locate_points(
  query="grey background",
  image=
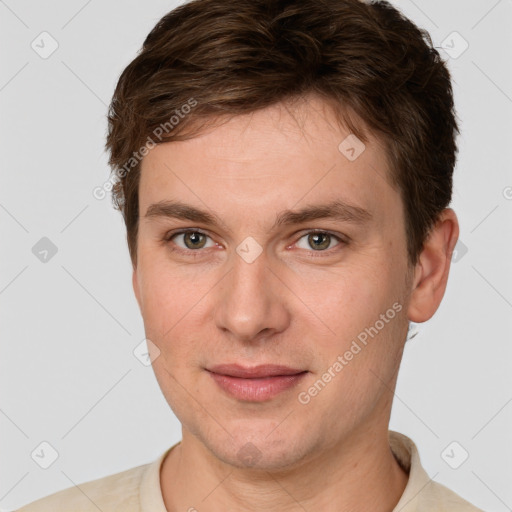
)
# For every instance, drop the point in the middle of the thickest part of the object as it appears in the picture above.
(69, 325)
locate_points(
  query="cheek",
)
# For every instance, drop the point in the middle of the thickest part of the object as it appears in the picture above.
(366, 314)
(175, 313)
(167, 291)
(349, 299)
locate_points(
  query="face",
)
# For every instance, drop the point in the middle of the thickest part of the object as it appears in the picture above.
(285, 249)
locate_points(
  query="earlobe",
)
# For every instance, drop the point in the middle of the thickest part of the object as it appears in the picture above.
(432, 269)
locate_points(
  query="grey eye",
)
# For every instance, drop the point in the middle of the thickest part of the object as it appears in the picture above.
(192, 240)
(317, 241)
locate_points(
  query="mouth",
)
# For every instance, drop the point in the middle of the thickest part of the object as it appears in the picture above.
(257, 384)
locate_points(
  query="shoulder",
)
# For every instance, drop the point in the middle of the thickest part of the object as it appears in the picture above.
(422, 493)
(443, 499)
(117, 492)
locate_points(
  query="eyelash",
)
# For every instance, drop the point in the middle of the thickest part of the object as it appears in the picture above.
(197, 253)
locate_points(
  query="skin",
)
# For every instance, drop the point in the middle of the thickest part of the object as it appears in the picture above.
(295, 305)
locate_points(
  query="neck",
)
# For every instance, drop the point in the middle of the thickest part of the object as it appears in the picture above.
(359, 473)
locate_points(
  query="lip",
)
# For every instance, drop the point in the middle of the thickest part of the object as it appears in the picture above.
(255, 372)
(256, 384)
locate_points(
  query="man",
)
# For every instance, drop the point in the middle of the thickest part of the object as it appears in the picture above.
(284, 169)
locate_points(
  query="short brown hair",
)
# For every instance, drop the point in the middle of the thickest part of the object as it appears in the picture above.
(232, 59)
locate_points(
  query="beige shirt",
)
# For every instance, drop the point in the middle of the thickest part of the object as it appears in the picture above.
(138, 489)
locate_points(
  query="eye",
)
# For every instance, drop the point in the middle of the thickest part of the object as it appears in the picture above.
(318, 241)
(191, 240)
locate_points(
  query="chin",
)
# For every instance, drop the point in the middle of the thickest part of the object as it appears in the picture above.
(259, 446)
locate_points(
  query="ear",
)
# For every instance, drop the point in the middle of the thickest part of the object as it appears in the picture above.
(135, 285)
(431, 271)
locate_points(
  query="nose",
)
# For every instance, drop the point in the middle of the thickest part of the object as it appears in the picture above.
(251, 301)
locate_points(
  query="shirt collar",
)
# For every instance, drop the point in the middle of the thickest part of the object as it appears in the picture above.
(151, 498)
(406, 454)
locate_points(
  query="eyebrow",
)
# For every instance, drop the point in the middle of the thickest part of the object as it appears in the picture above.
(337, 210)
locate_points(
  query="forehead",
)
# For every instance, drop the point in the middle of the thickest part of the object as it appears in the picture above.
(270, 159)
